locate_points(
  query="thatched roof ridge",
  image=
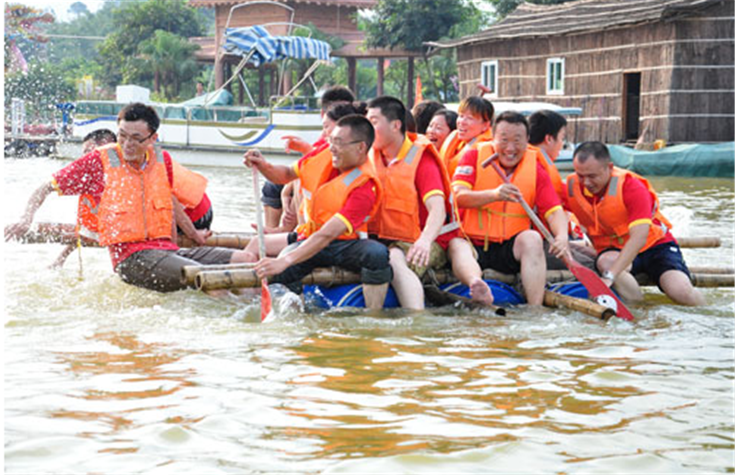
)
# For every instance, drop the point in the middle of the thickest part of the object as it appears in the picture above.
(342, 3)
(583, 16)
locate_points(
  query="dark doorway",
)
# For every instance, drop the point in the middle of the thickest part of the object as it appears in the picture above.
(631, 105)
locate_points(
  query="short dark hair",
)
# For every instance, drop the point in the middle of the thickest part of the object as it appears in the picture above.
(449, 116)
(410, 122)
(543, 123)
(391, 108)
(342, 109)
(597, 150)
(423, 112)
(101, 136)
(139, 111)
(360, 128)
(512, 117)
(336, 94)
(477, 106)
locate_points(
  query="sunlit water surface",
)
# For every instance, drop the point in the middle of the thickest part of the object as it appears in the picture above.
(101, 377)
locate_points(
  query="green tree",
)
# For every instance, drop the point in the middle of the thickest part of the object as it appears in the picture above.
(78, 8)
(504, 7)
(133, 24)
(409, 24)
(171, 58)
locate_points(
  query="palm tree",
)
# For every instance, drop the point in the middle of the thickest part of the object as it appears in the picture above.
(171, 59)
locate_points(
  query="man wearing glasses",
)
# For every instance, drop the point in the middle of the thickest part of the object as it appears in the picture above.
(137, 185)
(341, 194)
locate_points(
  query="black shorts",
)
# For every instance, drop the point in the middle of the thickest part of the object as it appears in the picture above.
(160, 270)
(271, 195)
(499, 257)
(655, 261)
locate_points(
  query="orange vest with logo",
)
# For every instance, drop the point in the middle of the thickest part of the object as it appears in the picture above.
(87, 219)
(548, 165)
(188, 186)
(136, 204)
(606, 221)
(500, 220)
(398, 216)
(453, 148)
(323, 198)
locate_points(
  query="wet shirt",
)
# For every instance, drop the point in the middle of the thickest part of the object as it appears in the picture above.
(86, 175)
(547, 201)
(638, 202)
(428, 183)
(359, 202)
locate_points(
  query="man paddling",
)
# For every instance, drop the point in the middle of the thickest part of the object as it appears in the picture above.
(341, 193)
(493, 217)
(416, 218)
(137, 185)
(619, 210)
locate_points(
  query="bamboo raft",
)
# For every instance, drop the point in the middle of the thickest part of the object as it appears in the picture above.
(65, 234)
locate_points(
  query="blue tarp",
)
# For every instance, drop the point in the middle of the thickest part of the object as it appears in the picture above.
(241, 41)
(216, 98)
(707, 160)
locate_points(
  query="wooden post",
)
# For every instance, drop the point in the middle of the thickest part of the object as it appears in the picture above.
(410, 84)
(228, 73)
(261, 85)
(381, 75)
(352, 74)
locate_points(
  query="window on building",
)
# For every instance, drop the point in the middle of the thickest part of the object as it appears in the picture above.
(490, 76)
(555, 76)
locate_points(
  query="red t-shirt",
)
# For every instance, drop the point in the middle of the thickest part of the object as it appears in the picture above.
(359, 202)
(86, 175)
(546, 198)
(638, 202)
(429, 182)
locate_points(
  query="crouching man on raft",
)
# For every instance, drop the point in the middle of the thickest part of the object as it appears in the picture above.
(137, 186)
(619, 211)
(341, 193)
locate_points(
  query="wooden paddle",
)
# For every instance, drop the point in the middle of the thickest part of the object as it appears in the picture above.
(266, 305)
(599, 292)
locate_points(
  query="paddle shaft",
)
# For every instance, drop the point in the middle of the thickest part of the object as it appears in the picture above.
(589, 279)
(265, 294)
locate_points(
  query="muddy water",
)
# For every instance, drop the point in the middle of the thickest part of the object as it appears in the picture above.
(101, 377)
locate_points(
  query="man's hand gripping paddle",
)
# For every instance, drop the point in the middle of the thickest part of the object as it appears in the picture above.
(599, 292)
(266, 306)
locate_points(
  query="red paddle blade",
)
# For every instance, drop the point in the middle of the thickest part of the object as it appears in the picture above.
(599, 292)
(266, 306)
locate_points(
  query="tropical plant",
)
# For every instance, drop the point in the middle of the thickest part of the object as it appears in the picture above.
(171, 59)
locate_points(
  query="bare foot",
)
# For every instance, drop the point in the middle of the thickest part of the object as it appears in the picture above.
(480, 292)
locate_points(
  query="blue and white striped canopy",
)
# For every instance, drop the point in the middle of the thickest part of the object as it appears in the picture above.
(241, 41)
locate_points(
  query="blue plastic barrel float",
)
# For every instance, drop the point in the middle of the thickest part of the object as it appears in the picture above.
(571, 289)
(351, 295)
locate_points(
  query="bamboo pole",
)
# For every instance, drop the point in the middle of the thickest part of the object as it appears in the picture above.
(189, 273)
(232, 241)
(555, 300)
(697, 242)
(711, 270)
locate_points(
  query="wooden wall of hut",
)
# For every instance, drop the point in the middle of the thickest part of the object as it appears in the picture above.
(595, 66)
(703, 81)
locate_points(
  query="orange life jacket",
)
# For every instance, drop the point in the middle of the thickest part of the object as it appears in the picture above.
(87, 220)
(136, 204)
(188, 186)
(550, 168)
(500, 220)
(323, 198)
(398, 216)
(606, 221)
(453, 148)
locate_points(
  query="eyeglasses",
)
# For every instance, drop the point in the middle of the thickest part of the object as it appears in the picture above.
(340, 144)
(123, 137)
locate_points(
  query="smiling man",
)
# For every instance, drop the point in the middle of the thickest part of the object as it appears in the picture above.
(492, 216)
(341, 194)
(138, 189)
(620, 213)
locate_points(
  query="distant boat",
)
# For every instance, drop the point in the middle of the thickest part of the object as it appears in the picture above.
(693, 160)
(207, 122)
